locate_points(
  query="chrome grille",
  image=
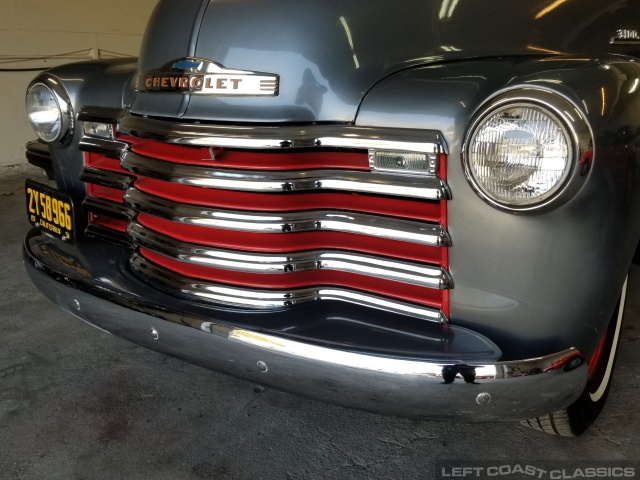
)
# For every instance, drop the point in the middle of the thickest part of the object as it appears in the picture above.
(252, 235)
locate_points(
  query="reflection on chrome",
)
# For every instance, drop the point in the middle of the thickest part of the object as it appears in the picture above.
(337, 357)
(312, 220)
(430, 188)
(275, 299)
(109, 148)
(337, 136)
(489, 371)
(106, 178)
(108, 207)
(380, 267)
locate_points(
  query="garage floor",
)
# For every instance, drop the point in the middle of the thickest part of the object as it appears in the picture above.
(78, 403)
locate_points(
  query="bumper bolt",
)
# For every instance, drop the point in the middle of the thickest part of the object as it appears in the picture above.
(262, 366)
(76, 303)
(573, 363)
(154, 333)
(483, 398)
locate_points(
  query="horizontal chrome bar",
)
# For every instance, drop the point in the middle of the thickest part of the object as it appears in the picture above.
(380, 267)
(106, 178)
(306, 221)
(108, 207)
(482, 372)
(286, 136)
(101, 114)
(275, 299)
(425, 187)
(109, 148)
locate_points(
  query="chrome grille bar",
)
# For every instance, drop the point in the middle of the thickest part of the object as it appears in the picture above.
(429, 188)
(106, 178)
(109, 148)
(268, 137)
(306, 221)
(400, 271)
(275, 299)
(108, 207)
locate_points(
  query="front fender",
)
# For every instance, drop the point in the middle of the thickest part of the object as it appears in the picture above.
(532, 283)
(99, 83)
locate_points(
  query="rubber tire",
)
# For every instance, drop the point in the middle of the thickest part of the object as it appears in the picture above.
(577, 417)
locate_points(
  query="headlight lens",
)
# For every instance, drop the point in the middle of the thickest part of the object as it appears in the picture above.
(44, 112)
(49, 109)
(519, 155)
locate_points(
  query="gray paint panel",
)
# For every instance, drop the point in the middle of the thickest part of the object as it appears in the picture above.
(171, 33)
(328, 54)
(535, 281)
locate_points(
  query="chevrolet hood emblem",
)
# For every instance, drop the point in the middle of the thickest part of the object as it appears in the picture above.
(203, 77)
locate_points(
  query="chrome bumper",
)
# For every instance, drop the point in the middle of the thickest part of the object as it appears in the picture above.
(460, 389)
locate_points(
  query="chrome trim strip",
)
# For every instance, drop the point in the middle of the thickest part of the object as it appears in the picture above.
(399, 271)
(109, 148)
(619, 41)
(275, 299)
(306, 221)
(429, 188)
(106, 178)
(267, 137)
(107, 207)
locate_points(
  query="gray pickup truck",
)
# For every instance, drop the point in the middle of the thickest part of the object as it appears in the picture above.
(424, 208)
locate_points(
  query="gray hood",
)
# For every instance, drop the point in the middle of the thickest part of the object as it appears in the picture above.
(328, 54)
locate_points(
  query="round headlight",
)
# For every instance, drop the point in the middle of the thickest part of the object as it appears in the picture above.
(48, 112)
(519, 155)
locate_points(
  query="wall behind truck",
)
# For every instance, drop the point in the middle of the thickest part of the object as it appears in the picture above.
(43, 33)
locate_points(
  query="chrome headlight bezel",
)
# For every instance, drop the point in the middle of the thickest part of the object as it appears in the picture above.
(576, 131)
(63, 102)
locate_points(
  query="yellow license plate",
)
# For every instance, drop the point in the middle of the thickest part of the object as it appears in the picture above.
(51, 210)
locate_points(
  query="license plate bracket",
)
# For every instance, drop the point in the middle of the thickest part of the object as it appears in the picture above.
(50, 210)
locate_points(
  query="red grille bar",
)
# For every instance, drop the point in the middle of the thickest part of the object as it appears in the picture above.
(108, 222)
(107, 193)
(101, 162)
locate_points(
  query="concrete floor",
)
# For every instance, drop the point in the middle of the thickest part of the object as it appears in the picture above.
(77, 403)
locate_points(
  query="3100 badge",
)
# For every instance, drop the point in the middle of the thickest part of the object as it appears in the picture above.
(50, 210)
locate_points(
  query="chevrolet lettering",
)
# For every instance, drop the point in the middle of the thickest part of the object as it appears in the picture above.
(199, 76)
(392, 206)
